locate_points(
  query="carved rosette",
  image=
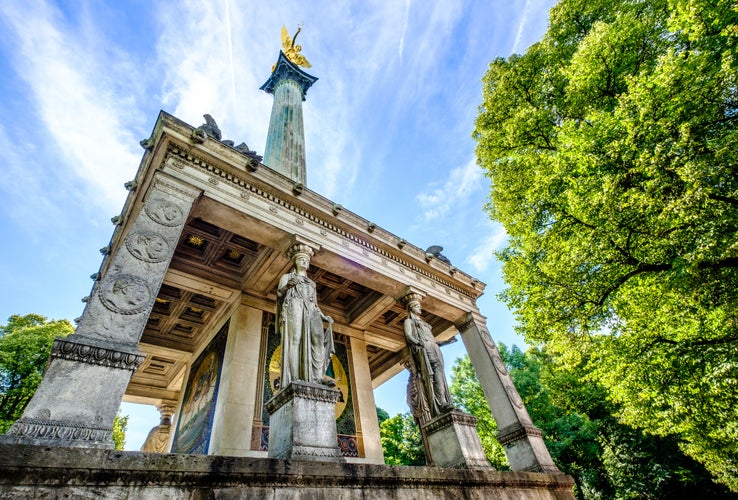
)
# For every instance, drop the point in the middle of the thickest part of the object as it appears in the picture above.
(41, 429)
(96, 355)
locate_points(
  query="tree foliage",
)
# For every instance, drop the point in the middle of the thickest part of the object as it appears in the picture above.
(606, 458)
(25, 344)
(402, 443)
(468, 396)
(612, 146)
(120, 425)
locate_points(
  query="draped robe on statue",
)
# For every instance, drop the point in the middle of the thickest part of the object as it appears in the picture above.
(427, 362)
(306, 347)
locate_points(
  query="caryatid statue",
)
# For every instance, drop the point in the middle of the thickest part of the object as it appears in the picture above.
(306, 347)
(426, 361)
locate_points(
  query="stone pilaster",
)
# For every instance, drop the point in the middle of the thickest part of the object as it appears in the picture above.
(364, 399)
(231, 435)
(302, 423)
(88, 372)
(521, 439)
(285, 147)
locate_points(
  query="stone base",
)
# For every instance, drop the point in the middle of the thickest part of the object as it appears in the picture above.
(57, 472)
(524, 446)
(42, 432)
(453, 441)
(302, 423)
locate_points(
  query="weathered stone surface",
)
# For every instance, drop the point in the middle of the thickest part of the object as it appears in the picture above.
(88, 373)
(454, 442)
(56, 472)
(522, 440)
(302, 423)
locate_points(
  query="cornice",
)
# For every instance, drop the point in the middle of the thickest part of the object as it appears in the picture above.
(252, 187)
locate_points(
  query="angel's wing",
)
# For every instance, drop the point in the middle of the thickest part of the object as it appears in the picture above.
(286, 39)
(301, 61)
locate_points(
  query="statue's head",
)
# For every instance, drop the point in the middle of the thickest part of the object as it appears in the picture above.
(411, 301)
(300, 253)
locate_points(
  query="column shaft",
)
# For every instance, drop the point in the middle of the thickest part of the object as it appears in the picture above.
(521, 439)
(285, 147)
(88, 373)
(234, 411)
(364, 400)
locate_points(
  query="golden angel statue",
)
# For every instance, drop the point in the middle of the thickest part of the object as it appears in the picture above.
(291, 50)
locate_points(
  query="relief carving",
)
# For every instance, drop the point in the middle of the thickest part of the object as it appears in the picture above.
(164, 212)
(126, 294)
(148, 247)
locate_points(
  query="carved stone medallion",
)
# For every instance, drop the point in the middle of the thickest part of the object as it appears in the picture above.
(126, 294)
(164, 212)
(148, 247)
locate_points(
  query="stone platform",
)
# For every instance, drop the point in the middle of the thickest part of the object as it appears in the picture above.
(54, 472)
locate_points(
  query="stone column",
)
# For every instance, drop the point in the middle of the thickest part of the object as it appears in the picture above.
(364, 400)
(158, 440)
(285, 147)
(523, 441)
(88, 372)
(234, 411)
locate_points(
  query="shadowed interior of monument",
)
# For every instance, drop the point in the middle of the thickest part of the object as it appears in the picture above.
(181, 318)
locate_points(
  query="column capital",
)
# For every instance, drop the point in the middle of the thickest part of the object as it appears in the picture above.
(286, 70)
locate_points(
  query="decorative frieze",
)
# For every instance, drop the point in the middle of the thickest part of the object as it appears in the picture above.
(449, 419)
(73, 350)
(42, 429)
(275, 200)
(516, 432)
(305, 391)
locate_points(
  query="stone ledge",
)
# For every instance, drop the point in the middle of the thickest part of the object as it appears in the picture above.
(56, 471)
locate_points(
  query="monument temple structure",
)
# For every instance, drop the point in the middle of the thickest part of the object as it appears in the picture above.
(258, 317)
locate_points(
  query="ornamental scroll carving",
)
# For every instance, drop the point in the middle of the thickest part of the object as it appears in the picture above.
(126, 294)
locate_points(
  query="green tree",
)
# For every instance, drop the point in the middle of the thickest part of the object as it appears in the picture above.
(382, 415)
(612, 146)
(402, 443)
(120, 425)
(606, 458)
(467, 395)
(25, 345)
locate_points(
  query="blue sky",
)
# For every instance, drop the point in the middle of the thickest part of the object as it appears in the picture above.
(388, 125)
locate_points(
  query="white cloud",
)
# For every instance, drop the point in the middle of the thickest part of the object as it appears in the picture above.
(483, 254)
(76, 100)
(461, 182)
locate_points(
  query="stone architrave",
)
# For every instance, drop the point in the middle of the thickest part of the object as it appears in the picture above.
(88, 372)
(302, 423)
(522, 440)
(453, 441)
